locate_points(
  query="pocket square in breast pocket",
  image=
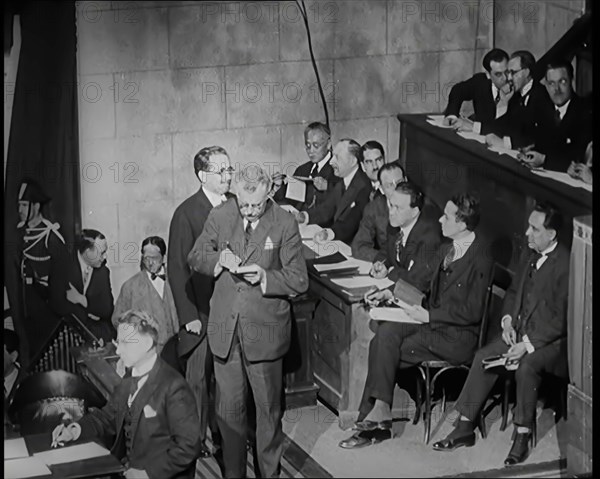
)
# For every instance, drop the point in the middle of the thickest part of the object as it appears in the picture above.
(149, 412)
(353, 204)
(269, 243)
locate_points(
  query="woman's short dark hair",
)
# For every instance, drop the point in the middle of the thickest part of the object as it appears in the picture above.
(468, 209)
(85, 240)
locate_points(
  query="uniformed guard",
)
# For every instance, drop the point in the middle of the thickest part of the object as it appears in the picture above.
(43, 253)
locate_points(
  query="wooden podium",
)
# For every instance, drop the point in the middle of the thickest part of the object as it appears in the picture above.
(579, 401)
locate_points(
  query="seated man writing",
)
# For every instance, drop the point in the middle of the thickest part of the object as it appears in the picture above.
(151, 416)
(415, 242)
(446, 328)
(534, 335)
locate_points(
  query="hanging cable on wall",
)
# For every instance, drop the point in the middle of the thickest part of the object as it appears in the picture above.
(302, 8)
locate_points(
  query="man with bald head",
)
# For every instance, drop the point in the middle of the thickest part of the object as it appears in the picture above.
(340, 215)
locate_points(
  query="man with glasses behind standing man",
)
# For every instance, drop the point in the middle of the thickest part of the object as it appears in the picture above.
(192, 291)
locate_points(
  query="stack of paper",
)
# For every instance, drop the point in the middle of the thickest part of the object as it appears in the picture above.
(362, 282)
(296, 189)
(308, 231)
(563, 178)
(397, 315)
(343, 267)
(504, 151)
(78, 452)
(25, 467)
(14, 448)
(437, 120)
(469, 135)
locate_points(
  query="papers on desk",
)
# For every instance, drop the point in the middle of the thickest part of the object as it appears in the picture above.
(438, 123)
(66, 454)
(344, 266)
(296, 189)
(328, 248)
(504, 151)
(469, 135)
(25, 467)
(362, 282)
(396, 315)
(437, 118)
(563, 178)
(14, 448)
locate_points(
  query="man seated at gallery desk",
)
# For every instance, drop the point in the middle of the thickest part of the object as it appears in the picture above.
(488, 91)
(445, 328)
(562, 135)
(411, 251)
(317, 143)
(370, 241)
(373, 160)
(151, 416)
(340, 215)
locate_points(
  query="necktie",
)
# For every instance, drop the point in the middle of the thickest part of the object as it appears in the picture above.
(314, 171)
(533, 263)
(86, 275)
(153, 276)
(449, 257)
(247, 234)
(133, 386)
(343, 186)
(497, 97)
(556, 116)
(399, 245)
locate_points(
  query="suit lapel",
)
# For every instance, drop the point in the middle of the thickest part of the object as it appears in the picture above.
(349, 195)
(143, 395)
(544, 272)
(458, 267)
(259, 235)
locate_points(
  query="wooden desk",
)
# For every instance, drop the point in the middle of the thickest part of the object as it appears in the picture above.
(95, 467)
(443, 164)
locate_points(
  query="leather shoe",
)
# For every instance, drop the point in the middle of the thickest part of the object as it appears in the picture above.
(519, 450)
(454, 442)
(365, 438)
(373, 425)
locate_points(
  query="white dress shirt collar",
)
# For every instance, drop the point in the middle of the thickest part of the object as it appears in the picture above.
(462, 245)
(348, 178)
(494, 91)
(542, 259)
(214, 198)
(526, 89)
(563, 109)
(84, 267)
(253, 224)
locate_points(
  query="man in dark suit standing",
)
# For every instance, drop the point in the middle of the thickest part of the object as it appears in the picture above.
(373, 160)
(370, 241)
(317, 142)
(340, 215)
(150, 418)
(416, 240)
(449, 319)
(534, 336)
(253, 248)
(563, 134)
(87, 286)
(488, 91)
(192, 291)
(515, 129)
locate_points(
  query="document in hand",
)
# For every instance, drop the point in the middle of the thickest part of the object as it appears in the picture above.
(25, 467)
(232, 261)
(397, 315)
(66, 454)
(251, 268)
(296, 190)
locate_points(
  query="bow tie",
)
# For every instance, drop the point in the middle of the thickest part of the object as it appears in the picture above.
(153, 276)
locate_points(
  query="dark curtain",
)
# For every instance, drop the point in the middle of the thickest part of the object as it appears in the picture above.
(43, 142)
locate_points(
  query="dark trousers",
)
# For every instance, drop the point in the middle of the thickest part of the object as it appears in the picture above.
(199, 373)
(528, 378)
(402, 345)
(266, 381)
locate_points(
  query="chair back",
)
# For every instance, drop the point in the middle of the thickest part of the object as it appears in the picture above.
(500, 281)
(44, 400)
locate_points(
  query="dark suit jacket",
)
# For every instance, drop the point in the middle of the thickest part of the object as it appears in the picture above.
(370, 241)
(100, 301)
(421, 249)
(343, 209)
(165, 424)
(191, 291)
(566, 142)
(311, 192)
(547, 320)
(264, 319)
(518, 123)
(456, 310)
(477, 89)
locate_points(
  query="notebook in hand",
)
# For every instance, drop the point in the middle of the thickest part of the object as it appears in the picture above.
(408, 293)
